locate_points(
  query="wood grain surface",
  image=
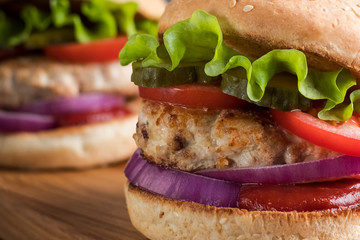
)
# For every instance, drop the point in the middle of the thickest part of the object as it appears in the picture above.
(65, 205)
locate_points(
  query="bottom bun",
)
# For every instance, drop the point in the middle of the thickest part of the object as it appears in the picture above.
(163, 218)
(72, 147)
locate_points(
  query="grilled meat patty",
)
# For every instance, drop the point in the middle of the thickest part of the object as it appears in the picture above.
(27, 79)
(194, 139)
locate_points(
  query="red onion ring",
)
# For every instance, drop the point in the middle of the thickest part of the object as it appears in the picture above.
(319, 170)
(24, 122)
(180, 185)
(89, 102)
(254, 197)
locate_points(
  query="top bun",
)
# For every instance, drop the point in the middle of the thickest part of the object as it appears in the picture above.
(327, 31)
(150, 9)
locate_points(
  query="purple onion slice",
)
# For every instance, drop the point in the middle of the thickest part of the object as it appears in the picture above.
(89, 102)
(319, 170)
(180, 185)
(24, 122)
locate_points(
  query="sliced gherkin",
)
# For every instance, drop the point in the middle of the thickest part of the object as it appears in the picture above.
(160, 77)
(281, 92)
(39, 40)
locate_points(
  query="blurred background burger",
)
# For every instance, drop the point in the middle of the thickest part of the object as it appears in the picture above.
(65, 101)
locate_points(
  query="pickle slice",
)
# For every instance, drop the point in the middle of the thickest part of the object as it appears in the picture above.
(39, 40)
(281, 92)
(160, 77)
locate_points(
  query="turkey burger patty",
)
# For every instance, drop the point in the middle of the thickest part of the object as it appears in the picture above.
(193, 139)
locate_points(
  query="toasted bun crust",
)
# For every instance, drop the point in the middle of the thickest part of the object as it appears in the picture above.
(163, 218)
(326, 30)
(70, 147)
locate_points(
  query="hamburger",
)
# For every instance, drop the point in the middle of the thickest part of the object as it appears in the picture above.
(64, 100)
(249, 122)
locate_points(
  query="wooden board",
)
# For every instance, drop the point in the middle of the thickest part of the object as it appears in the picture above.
(65, 205)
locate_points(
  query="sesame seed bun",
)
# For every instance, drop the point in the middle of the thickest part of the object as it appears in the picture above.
(150, 9)
(254, 27)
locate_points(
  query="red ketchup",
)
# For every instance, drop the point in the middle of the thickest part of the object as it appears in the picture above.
(300, 197)
(92, 117)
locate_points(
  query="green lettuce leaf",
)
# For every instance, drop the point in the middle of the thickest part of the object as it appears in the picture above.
(11, 30)
(125, 15)
(97, 13)
(200, 39)
(35, 19)
(203, 42)
(108, 19)
(276, 61)
(14, 31)
(339, 112)
(199, 42)
(138, 46)
(327, 85)
(61, 15)
(147, 26)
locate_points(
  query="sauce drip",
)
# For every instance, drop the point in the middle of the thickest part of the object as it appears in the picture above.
(92, 117)
(300, 197)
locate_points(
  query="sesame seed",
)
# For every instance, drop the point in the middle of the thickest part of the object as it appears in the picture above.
(233, 3)
(248, 8)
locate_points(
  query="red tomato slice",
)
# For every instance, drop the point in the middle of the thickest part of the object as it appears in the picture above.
(343, 138)
(98, 51)
(91, 117)
(192, 95)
